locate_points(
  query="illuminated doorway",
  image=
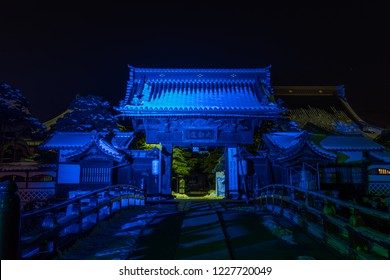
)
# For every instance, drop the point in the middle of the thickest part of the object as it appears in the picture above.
(194, 172)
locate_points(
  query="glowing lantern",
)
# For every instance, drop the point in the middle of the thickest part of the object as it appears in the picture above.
(155, 167)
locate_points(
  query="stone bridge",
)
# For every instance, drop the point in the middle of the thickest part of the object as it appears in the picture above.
(280, 222)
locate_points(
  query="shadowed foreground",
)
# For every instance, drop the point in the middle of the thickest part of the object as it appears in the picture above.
(189, 229)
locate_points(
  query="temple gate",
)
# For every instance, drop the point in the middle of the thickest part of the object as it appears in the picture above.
(199, 107)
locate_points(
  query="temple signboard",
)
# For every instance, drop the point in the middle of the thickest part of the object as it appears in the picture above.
(199, 134)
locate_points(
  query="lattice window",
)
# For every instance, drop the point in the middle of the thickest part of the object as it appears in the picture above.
(342, 175)
(96, 175)
(328, 175)
(379, 189)
(356, 175)
(27, 195)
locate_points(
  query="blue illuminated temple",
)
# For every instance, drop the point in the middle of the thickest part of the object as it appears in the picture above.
(306, 136)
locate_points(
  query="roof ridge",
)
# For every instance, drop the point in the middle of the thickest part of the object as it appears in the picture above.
(196, 70)
(320, 150)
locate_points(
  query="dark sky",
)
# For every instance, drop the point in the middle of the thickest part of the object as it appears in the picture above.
(52, 52)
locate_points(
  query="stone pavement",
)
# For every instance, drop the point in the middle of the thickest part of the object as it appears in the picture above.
(195, 232)
(113, 238)
(189, 229)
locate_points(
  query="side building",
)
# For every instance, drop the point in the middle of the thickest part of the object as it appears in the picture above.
(315, 140)
(323, 144)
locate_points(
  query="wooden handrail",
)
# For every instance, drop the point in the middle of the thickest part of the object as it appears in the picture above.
(46, 231)
(305, 207)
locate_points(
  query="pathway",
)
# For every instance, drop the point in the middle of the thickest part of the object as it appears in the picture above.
(198, 229)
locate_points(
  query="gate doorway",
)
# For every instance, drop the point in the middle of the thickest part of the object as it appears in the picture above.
(194, 171)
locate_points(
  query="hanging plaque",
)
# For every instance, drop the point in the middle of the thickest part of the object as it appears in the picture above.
(199, 134)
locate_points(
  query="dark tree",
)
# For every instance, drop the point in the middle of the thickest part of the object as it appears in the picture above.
(17, 125)
(88, 113)
(139, 143)
(211, 162)
(183, 162)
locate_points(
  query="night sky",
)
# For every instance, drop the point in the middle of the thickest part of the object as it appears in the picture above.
(56, 51)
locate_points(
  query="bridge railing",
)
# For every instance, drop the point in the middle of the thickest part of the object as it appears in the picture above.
(353, 230)
(46, 231)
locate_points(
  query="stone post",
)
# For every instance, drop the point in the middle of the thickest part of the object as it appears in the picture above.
(10, 220)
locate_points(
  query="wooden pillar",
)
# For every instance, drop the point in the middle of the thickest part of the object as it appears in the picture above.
(166, 184)
(231, 172)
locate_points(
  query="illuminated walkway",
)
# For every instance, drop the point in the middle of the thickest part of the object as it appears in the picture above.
(222, 230)
(191, 229)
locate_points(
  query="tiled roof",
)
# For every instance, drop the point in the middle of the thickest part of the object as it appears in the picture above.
(75, 140)
(198, 73)
(349, 143)
(108, 149)
(288, 144)
(323, 109)
(199, 90)
(384, 156)
(321, 151)
(68, 140)
(284, 140)
(236, 99)
(122, 140)
(101, 144)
